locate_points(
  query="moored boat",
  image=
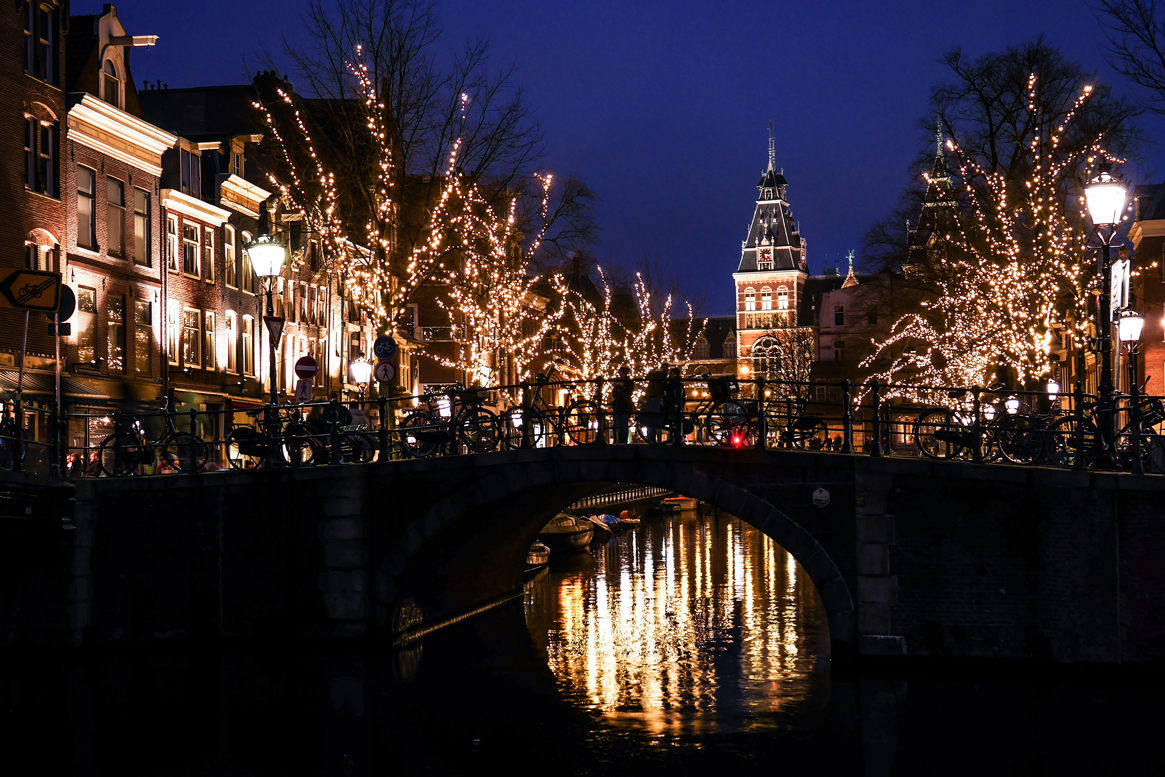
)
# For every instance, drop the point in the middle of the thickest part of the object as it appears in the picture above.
(603, 532)
(537, 557)
(566, 533)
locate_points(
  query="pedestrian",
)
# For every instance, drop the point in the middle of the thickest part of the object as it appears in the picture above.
(337, 413)
(359, 418)
(621, 403)
(651, 413)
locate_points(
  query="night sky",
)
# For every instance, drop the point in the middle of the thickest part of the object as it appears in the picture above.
(663, 107)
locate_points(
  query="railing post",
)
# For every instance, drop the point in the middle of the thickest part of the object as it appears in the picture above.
(382, 403)
(875, 391)
(977, 424)
(190, 467)
(334, 434)
(762, 422)
(527, 433)
(271, 428)
(1135, 421)
(1078, 427)
(847, 419)
(118, 449)
(677, 434)
(54, 449)
(787, 437)
(602, 414)
(18, 433)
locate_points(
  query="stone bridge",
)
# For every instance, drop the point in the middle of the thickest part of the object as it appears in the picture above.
(910, 557)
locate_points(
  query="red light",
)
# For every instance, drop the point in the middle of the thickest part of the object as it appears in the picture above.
(737, 441)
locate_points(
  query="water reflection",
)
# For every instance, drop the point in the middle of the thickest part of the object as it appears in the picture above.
(688, 623)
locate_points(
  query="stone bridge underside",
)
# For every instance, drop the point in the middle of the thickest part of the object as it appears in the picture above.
(910, 557)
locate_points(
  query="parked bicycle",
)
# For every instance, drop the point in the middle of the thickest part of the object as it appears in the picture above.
(1082, 443)
(129, 452)
(8, 430)
(576, 423)
(295, 443)
(451, 417)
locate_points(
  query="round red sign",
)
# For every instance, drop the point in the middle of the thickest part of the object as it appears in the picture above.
(306, 368)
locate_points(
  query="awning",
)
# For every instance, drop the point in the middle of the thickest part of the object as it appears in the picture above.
(40, 384)
(240, 404)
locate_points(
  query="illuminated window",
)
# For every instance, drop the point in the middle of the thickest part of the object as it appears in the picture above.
(209, 342)
(782, 298)
(143, 336)
(749, 299)
(248, 345)
(115, 331)
(86, 324)
(766, 298)
(172, 243)
(191, 338)
(230, 271)
(701, 349)
(111, 89)
(231, 334)
(190, 249)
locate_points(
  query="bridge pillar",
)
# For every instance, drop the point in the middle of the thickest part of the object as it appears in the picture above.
(877, 589)
(344, 581)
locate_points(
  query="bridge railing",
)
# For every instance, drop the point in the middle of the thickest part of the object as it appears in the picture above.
(978, 424)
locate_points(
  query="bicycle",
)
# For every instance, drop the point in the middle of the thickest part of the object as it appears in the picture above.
(578, 420)
(128, 452)
(298, 445)
(449, 417)
(794, 428)
(1074, 443)
(8, 431)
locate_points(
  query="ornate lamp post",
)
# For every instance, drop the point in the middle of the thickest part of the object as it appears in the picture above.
(361, 371)
(1105, 196)
(267, 256)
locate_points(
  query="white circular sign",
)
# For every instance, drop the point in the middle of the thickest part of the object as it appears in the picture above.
(385, 372)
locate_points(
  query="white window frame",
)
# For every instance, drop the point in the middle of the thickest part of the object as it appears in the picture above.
(749, 300)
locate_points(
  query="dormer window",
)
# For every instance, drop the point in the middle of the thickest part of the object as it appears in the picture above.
(191, 173)
(237, 164)
(111, 88)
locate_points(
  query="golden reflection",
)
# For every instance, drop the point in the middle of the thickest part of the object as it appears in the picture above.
(695, 622)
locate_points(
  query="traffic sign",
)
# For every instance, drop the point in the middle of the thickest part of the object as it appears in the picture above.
(306, 368)
(30, 290)
(302, 391)
(821, 497)
(384, 347)
(385, 372)
(274, 326)
(67, 307)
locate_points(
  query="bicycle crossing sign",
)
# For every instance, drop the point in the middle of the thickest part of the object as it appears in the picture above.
(384, 347)
(30, 290)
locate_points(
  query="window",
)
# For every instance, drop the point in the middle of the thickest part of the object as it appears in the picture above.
(115, 331)
(141, 228)
(839, 315)
(191, 173)
(766, 298)
(277, 296)
(782, 298)
(143, 336)
(86, 324)
(172, 243)
(313, 256)
(248, 345)
(247, 272)
(115, 216)
(236, 164)
(839, 350)
(111, 88)
(232, 342)
(292, 307)
(749, 299)
(172, 331)
(40, 156)
(872, 315)
(86, 208)
(40, 41)
(730, 347)
(209, 346)
(228, 257)
(701, 349)
(190, 249)
(208, 253)
(191, 337)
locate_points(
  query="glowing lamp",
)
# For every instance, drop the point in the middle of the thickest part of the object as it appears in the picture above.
(267, 256)
(1130, 326)
(361, 371)
(1053, 389)
(1012, 405)
(1105, 196)
(445, 407)
(988, 412)
(744, 370)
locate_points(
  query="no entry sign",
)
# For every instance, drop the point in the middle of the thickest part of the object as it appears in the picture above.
(306, 368)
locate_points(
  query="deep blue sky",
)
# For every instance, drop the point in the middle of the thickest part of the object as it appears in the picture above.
(663, 107)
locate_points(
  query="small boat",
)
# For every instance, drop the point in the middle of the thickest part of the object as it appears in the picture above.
(628, 521)
(603, 532)
(566, 533)
(537, 557)
(676, 504)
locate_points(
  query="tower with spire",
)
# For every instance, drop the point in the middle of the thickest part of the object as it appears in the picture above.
(939, 207)
(770, 278)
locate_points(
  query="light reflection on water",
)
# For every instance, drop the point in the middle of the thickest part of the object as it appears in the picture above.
(693, 623)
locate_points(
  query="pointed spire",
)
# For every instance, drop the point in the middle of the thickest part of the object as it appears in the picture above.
(850, 278)
(772, 148)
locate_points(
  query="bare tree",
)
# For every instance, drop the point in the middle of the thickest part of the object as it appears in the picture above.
(786, 356)
(1136, 44)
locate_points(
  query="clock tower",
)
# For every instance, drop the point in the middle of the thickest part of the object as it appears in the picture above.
(770, 280)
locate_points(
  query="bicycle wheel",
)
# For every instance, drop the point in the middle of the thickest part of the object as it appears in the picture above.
(479, 430)
(728, 424)
(1150, 443)
(420, 434)
(934, 434)
(513, 428)
(582, 422)
(1065, 449)
(357, 448)
(810, 431)
(1019, 439)
(246, 448)
(184, 452)
(118, 460)
(301, 448)
(653, 428)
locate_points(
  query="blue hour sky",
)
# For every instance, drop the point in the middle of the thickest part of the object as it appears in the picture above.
(663, 107)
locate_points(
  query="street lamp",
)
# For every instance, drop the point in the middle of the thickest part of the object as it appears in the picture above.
(361, 371)
(1105, 196)
(267, 256)
(1129, 330)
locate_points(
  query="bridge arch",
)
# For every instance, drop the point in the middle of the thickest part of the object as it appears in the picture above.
(473, 539)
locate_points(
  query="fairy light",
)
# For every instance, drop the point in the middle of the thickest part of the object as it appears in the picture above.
(1014, 252)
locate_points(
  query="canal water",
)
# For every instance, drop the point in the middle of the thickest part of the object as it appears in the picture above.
(691, 645)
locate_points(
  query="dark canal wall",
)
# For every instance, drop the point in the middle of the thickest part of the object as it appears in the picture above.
(910, 557)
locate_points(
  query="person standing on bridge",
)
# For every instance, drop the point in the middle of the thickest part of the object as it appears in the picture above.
(621, 403)
(652, 410)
